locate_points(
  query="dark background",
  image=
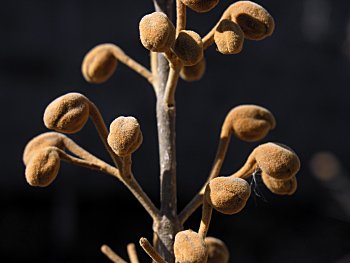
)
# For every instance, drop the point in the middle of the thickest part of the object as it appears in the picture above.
(301, 74)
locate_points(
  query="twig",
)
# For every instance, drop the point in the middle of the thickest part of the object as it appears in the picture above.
(147, 247)
(170, 88)
(180, 16)
(206, 217)
(132, 253)
(111, 254)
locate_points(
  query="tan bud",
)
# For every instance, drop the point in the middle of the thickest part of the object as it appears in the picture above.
(277, 160)
(217, 250)
(43, 167)
(251, 122)
(157, 33)
(228, 37)
(99, 64)
(280, 187)
(68, 113)
(124, 136)
(200, 6)
(195, 72)
(189, 47)
(189, 247)
(254, 20)
(227, 195)
(41, 141)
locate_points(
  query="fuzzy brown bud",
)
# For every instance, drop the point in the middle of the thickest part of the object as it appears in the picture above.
(195, 72)
(99, 64)
(227, 195)
(124, 136)
(217, 250)
(157, 33)
(277, 160)
(189, 247)
(43, 167)
(68, 113)
(280, 187)
(200, 6)
(228, 37)
(189, 47)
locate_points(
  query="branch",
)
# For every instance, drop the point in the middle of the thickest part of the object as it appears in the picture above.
(132, 253)
(111, 254)
(147, 247)
(180, 16)
(207, 211)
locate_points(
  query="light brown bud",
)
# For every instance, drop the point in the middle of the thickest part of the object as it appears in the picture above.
(277, 160)
(251, 122)
(189, 47)
(227, 195)
(68, 113)
(189, 247)
(254, 20)
(217, 250)
(124, 136)
(280, 187)
(41, 141)
(195, 72)
(99, 64)
(157, 33)
(43, 167)
(228, 37)
(200, 6)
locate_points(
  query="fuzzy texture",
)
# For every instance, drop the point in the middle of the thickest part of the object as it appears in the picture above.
(227, 195)
(200, 6)
(43, 167)
(251, 122)
(195, 72)
(42, 141)
(189, 247)
(228, 37)
(157, 33)
(217, 250)
(254, 20)
(280, 187)
(99, 64)
(277, 160)
(124, 136)
(189, 47)
(68, 113)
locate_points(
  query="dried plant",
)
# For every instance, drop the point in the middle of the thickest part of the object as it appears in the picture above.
(175, 52)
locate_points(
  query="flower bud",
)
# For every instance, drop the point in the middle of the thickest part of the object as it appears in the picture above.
(189, 247)
(68, 113)
(189, 47)
(280, 187)
(195, 72)
(277, 160)
(217, 250)
(43, 167)
(99, 64)
(250, 122)
(227, 195)
(41, 141)
(124, 136)
(200, 6)
(157, 33)
(254, 20)
(228, 37)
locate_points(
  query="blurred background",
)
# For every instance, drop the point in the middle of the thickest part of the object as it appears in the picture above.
(301, 74)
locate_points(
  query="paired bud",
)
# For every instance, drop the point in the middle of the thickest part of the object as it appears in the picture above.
(227, 195)
(68, 113)
(200, 6)
(157, 33)
(217, 250)
(250, 122)
(125, 136)
(280, 187)
(228, 37)
(99, 64)
(43, 167)
(189, 47)
(189, 247)
(253, 19)
(195, 72)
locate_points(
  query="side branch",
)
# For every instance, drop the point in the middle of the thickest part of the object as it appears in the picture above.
(147, 247)
(180, 16)
(111, 254)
